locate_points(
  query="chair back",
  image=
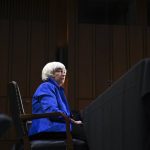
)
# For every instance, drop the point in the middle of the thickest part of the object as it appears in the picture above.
(16, 107)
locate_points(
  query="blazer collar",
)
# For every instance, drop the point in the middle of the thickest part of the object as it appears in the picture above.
(51, 80)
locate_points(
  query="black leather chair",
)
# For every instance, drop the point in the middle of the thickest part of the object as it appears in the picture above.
(21, 119)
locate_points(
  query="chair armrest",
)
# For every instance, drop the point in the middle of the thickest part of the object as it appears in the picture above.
(28, 117)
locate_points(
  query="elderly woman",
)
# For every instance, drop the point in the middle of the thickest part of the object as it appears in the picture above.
(50, 97)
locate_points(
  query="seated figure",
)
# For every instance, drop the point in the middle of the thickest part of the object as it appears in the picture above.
(50, 97)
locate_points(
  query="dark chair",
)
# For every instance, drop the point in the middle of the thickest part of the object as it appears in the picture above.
(21, 119)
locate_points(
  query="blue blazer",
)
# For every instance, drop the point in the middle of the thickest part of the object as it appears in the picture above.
(49, 97)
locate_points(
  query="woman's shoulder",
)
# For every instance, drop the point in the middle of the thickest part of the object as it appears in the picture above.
(44, 88)
(46, 85)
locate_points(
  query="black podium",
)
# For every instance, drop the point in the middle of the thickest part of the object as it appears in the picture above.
(119, 119)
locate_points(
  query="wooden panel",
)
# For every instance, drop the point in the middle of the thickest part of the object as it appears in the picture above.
(84, 61)
(30, 32)
(141, 12)
(46, 37)
(27, 102)
(51, 30)
(4, 47)
(61, 23)
(136, 44)
(19, 54)
(119, 52)
(148, 42)
(102, 58)
(4, 105)
(83, 103)
(37, 54)
(72, 46)
(7, 144)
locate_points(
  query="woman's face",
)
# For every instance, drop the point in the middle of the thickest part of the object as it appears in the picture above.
(59, 76)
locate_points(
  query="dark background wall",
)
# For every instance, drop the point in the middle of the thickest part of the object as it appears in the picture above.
(100, 45)
(106, 38)
(31, 31)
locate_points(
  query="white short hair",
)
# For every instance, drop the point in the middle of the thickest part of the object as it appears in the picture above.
(49, 69)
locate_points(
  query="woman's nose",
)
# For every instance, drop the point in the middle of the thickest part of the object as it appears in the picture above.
(63, 73)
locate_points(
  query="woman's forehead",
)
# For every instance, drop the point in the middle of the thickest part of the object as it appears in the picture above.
(60, 69)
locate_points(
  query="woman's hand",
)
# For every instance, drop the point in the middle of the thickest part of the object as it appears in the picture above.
(76, 122)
